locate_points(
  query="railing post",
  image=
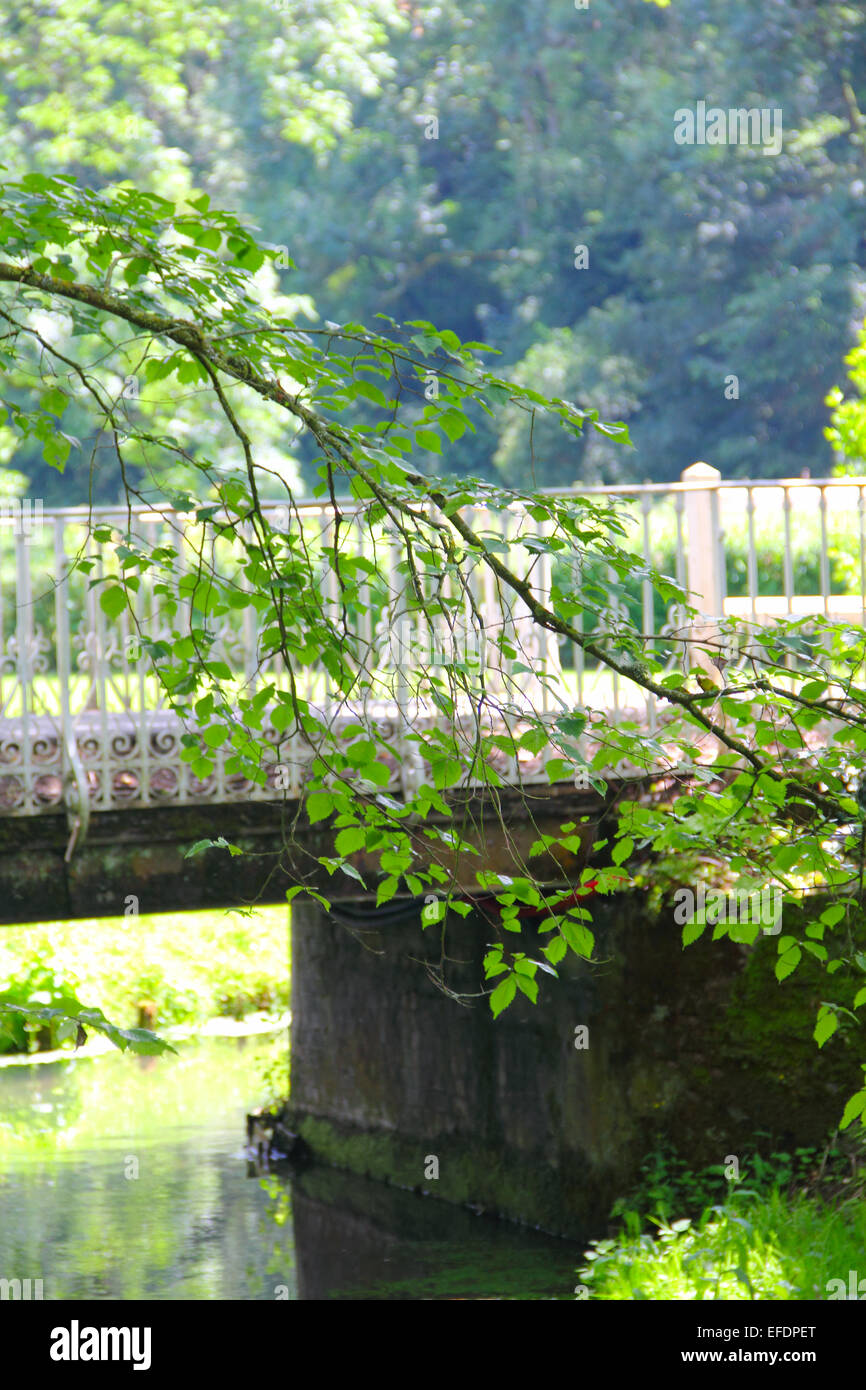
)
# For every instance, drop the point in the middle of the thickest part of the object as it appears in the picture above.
(703, 555)
(24, 653)
(76, 789)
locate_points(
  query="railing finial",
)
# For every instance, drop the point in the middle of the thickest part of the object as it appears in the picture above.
(701, 473)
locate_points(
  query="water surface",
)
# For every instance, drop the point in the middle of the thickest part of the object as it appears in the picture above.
(126, 1178)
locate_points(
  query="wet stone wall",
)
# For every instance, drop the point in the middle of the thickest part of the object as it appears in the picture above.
(701, 1047)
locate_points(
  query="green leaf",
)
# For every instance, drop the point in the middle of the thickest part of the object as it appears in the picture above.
(555, 950)
(826, 1026)
(527, 986)
(622, 850)
(578, 937)
(533, 740)
(503, 995)
(55, 401)
(557, 768)
(139, 1040)
(446, 771)
(692, 930)
(362, 752)
(135, 269)
(819, 952)
(112, 601)
(786, 856)
(812, 690)
(377, 773)
(220, 843)
(282, 717)
(572, 724)
(198, 848)
(55, 450)
(369, 392)
(429, 439)
(856, 1106)
(787, 963)
(219, 670)
(386, 890)
(433, 912)
(351, 872)
(453, 423)
(319, 805)
(833, 914)
(353, 838)
(250, 257)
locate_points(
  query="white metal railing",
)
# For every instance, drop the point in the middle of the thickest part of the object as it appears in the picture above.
(83, 726)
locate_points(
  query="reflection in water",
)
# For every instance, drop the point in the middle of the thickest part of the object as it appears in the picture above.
(126, 1178)
(364, 1240)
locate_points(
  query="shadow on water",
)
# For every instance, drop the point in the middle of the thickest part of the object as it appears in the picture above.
(356, 1239)
(126, 1178)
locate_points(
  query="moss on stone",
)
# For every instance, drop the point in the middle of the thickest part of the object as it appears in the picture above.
(530, 1192)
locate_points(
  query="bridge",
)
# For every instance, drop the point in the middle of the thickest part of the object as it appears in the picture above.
(544, 1114)
(95, 797)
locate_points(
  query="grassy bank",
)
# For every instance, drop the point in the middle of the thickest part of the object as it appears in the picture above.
(159, 969)
(789, 1228)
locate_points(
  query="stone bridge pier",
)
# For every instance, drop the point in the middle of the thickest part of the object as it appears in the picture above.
(544, 1114)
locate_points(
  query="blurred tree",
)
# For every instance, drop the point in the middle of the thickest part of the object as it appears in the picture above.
(448, 161)
(181, 98)
(847, 428)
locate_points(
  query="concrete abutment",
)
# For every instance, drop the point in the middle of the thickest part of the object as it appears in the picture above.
(700, 1048)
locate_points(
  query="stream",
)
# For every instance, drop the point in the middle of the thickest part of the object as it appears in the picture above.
(125, 1177)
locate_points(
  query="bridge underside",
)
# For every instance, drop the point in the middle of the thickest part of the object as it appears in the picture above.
(142, 853)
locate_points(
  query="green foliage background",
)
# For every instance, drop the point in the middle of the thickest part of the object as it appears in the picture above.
(191, 966)
(555, 129)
